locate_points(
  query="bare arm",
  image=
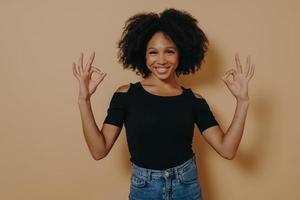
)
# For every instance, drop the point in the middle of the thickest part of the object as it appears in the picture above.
(99, 141)
(93, 136)
(227, 144)
(235, 131)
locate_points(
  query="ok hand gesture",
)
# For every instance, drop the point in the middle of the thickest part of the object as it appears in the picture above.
(87, 86)
(239, 85)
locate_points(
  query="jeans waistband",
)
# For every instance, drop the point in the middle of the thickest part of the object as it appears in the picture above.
(167, 173)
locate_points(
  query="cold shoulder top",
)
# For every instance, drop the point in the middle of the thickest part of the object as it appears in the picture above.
(159, 129)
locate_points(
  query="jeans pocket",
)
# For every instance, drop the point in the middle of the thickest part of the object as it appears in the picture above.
(189, 176)
(138, 181)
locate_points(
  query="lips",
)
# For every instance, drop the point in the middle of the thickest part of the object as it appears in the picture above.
(162, 70)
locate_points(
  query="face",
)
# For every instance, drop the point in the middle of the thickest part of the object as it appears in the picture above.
(162, 56)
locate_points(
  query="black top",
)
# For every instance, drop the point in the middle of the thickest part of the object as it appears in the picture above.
(159, 129)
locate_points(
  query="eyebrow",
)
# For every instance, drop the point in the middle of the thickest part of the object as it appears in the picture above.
(170, 47)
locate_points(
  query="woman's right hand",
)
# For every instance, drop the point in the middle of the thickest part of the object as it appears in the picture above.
(87, 86)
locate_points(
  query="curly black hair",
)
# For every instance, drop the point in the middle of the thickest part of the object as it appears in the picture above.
(179, 25)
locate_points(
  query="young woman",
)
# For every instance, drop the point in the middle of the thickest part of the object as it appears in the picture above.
(158, 113)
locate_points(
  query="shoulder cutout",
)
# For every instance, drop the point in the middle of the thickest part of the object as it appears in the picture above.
(198, 95)
(123, 88)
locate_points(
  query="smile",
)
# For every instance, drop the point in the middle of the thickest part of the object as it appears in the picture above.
(162, 70)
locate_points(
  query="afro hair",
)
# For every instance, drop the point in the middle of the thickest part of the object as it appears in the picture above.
(180, 26)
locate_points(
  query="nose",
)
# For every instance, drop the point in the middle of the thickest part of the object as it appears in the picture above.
(161, 59)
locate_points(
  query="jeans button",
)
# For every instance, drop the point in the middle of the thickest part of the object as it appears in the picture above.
(167, 174)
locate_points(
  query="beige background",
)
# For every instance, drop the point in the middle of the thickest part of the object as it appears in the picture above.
(42, 148)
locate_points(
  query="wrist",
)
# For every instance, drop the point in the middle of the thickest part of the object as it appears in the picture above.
(243, 101)
(83, 99)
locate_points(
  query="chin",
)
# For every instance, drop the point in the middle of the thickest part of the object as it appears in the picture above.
(162, 76)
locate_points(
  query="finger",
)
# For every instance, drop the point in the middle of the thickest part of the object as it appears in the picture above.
(75, 71)
(234, 72)
(104, 75)
(226, 80)
(231, 71)
(101, 78)
(74, 67)
(238, 63)
(248, 65)
(80, 63)
(78, 67)
(226, 76)
(97, 70)
(90, 62)
(252, 71)
(101, 74)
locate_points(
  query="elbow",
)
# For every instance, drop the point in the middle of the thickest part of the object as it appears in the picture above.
(228, 156)
(99, 156)
(228, 153)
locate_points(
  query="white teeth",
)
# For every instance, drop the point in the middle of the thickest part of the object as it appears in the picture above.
(161, 70)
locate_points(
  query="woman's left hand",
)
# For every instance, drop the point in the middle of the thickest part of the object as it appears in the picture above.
(239, 85)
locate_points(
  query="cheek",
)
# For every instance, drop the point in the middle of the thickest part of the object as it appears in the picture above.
(150, 60)
(174, 59)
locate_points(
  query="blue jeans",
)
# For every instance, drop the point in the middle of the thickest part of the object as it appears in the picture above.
(176, 183)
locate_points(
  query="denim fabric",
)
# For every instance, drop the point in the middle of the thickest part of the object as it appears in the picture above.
(176, 183)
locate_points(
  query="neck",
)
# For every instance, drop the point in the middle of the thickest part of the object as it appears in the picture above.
(169, 82)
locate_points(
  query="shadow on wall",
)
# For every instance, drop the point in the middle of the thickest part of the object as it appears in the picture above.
(248, 161)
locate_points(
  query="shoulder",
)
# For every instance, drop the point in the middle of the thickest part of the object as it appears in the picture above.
(123, 88)
(197, 95)
(120, 97)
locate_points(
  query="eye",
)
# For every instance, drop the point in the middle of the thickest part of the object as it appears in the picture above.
(170, 52)
(152, 52)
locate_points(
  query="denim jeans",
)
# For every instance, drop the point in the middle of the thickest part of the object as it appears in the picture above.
(176, 183)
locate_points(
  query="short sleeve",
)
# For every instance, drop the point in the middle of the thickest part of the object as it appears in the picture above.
(204, 117)
(116, 113)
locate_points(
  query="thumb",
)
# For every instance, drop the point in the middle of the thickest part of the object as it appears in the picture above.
(224, 78)
(99, 79)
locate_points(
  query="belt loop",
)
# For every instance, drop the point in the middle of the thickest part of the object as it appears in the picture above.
(149, 174)
(176, 173)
